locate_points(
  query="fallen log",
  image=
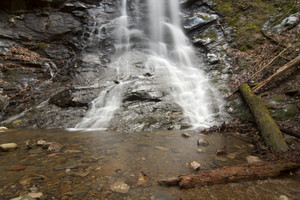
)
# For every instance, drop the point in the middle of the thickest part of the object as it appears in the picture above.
(289, 65)
(268, 128)
(253, 171)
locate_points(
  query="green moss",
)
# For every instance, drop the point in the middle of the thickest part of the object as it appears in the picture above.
(247, 17)
(278, 98)
(244, 48)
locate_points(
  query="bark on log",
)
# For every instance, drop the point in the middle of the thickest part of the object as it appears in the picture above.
(253, 171)
(269, 130)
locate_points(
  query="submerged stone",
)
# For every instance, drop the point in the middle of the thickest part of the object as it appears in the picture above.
(8, 146)
(120, 187)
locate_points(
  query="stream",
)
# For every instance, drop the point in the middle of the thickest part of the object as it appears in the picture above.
(90, 163)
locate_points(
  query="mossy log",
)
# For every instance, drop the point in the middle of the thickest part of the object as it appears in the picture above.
(269, 130)
(253, 171)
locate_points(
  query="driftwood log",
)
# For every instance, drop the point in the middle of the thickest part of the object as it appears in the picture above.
(253, 171)
(268, 128)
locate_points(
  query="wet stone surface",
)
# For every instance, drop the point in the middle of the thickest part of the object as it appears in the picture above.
(109, 165)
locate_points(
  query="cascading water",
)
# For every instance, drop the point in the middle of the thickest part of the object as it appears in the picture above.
(159, 38)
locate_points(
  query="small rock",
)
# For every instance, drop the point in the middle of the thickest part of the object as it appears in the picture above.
(283, 197)
(3, 129)
(202, 142)
(29, 144)
(33, 189)
(142, 180)
(185, 135)
(120, 187)
(35, 195)
(55, 147)
(8, 146)
(252, 159)
(193, 165)
(17, 168)
(40, 142)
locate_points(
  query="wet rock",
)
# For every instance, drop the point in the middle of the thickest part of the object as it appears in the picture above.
(65, 99)
(212, 58)
(199, 19)
(55, 147)
(202, 142)
(193, 165)
(290, 20)
(8, 146)
(252, 159)
(35, 151)
(185, 135)
(120, 187)
(17, 168)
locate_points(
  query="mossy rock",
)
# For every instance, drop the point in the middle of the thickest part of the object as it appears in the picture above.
(248, 17)
(278, 98)
(298, 104)
(284, 113)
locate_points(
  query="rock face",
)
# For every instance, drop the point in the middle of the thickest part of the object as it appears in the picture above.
(56, 58)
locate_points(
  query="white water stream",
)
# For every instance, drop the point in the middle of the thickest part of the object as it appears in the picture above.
(169, 55)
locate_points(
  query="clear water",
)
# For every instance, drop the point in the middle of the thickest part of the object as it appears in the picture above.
(153, 30)
(111, 157)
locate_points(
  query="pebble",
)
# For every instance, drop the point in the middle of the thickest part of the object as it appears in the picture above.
(202, 142)
(193, 165)
(8, 146)
(252, 159)
(120, 187)
(221, 152)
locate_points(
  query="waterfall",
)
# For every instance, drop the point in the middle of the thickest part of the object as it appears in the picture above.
(169, 55)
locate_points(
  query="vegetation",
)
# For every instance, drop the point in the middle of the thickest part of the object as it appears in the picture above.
(248, 17)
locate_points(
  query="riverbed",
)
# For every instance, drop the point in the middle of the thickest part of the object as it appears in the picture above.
(92, 165)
